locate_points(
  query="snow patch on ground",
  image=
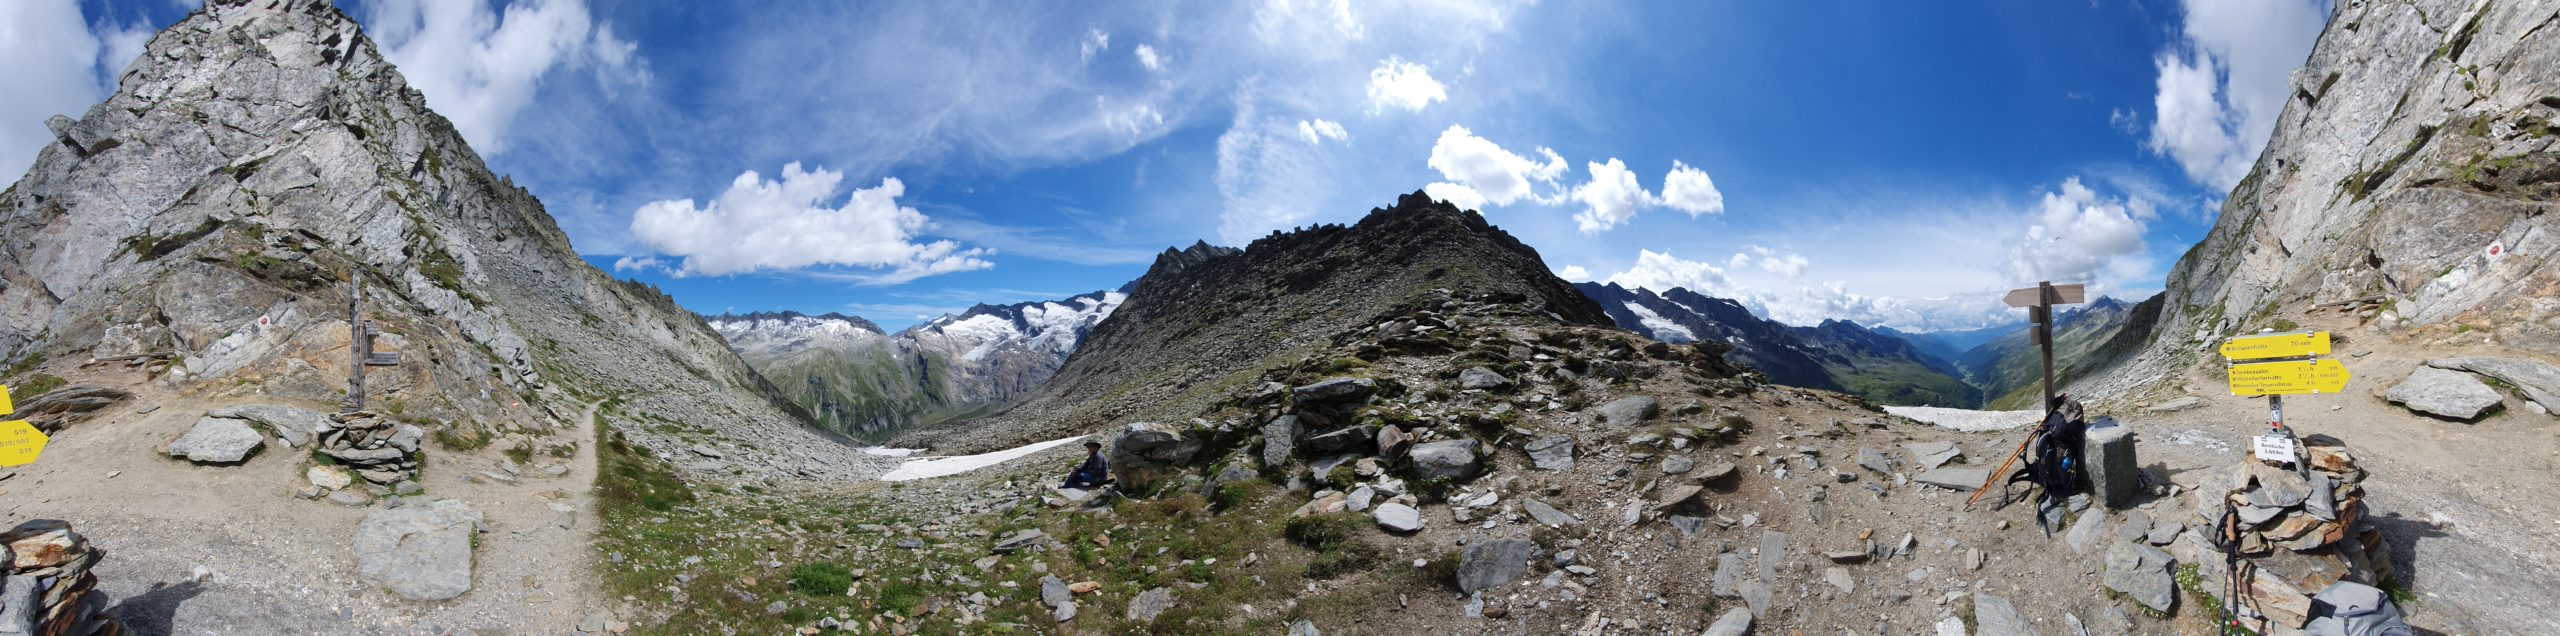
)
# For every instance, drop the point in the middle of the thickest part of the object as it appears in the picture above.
(1663, 330)
(1966, 419)
(885, 451)
(931, 467)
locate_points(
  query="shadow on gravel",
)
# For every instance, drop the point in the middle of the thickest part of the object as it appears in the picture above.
(2403, 534)
(155, 613)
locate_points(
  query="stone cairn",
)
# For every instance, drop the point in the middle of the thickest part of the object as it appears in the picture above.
(375, 448)
(49, 589)
(2297, 534)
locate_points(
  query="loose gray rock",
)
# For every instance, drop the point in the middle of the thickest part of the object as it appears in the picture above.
(2086, 532)
(406, 438)
(1148, 604)
(2141, 572)
(1359, 440)
(1494, 562)
(1054, 592)
(1279, 441)
(1839, 577)
(1553, 452)
(1546, 514)
(422, 553)
(1677, 464)
(1931, 455)
(1482, 378)
(1398, 518)
(1871, 459)
(2538, 382)
(2441, 393)
(1304, 627)
(218, 440)
(292, 425)
(1995, 616)
(1334, 390)
(1734, 622)
(1717, 472)
(1020, 540)
(2136, 526)
(1143, 451)
(1961, 478)
(1630, 411)
(1360, 498)
(1454, 460)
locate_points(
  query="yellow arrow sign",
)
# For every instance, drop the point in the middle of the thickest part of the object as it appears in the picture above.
(20, 443)
(2277, 345)
(2292, 377)
(5, 406)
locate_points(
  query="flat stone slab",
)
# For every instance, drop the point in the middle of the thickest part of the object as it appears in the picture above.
(1628, 411)
(2141, 572)
(2537, 381)
(1962, 478)
(293, 425)
(1491, 563)
(1995, 616)
(218, 440)
(422, 553)
(1546, 514)
(2442, 393)
(1396, 517)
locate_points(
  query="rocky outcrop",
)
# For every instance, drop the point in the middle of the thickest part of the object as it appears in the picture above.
(260, 156)
(45, 583)
(1834, 356)
(2446, 394)
(2408, 183)
(216, 440)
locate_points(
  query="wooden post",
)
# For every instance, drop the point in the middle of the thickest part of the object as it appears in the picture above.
(2044, 339)
(357, 345)
(2038, 301)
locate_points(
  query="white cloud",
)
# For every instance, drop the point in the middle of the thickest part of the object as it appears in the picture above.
(1148, 57)
(785, 225)
(49, 65)
(1662, 272)
(1574, 273)
(479, 68)
(1610, 198)
(2224, 83)
(1789, 264)
(2079, 236)
(1401, 84)
(637, 264)
(1095, 41)
(1319, 130)
(1688, 189)
(1482, 173)
(1267, 180)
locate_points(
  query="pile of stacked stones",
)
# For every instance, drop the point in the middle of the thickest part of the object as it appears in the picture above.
(48, 588)
(2297, 533)
(375, 448)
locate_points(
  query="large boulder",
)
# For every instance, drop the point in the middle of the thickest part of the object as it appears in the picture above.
(1333, 391)
(1146, 451)
(2142, 573)
(422, 553)
(2537, 381)
(1491, 563)
(2441, 393)
(292, 424)
(1482, 378)
(1279, 441)
(1628, 411)
(2112, 466)
(1348, 439)
(218, 440)
(1453, 460)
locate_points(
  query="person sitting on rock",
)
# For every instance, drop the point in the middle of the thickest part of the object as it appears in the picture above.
(1094, 473)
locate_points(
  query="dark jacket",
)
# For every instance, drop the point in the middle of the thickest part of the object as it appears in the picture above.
(1094, 468)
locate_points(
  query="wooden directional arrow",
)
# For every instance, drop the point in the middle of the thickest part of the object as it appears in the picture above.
(2062, 295)
(2292, 377)
(2296, 344)
(20, 443)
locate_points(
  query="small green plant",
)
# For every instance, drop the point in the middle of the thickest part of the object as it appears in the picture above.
(1342, 477)
(1322, 533)
(2284, 325)
(460, 437)
(522, 453)
(1346, 364)
(36, 385)
(821, 579)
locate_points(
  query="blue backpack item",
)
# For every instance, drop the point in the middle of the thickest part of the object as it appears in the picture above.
(2354, 609)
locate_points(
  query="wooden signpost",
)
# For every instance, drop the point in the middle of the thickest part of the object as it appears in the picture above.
(20, 442)
(2038, 301)
(360, 353)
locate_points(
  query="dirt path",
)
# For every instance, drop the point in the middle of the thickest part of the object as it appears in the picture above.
(278, 564)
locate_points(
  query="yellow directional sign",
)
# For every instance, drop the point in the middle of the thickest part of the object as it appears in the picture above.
(6, 407)
(20, 442)
(2292, 377)
(2277, 345)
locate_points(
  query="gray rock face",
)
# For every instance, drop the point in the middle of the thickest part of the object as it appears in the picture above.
(217, 440)
(2442, 393)
(1553, 452)
(1630, 411)
(1454, 460)
(2141, 572)
(1350, 439)
(1995, 616)
(1333, 391)
(1143, 451)
(2538, 382)
(1148, 604)
(1962, 478)
(1491, 563)
(1475, 378)
(1279, 441)
(422, 553)
(2113, 469)
(1399, 518)
(293, 425)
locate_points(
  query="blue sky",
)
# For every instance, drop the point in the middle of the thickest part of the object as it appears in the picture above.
(1892, 163)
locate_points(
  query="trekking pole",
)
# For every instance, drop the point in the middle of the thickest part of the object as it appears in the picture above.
(2004, 467)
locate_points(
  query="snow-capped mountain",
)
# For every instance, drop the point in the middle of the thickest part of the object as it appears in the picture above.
(855, 379)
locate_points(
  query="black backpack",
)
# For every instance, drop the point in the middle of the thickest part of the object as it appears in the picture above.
(2053, 459)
